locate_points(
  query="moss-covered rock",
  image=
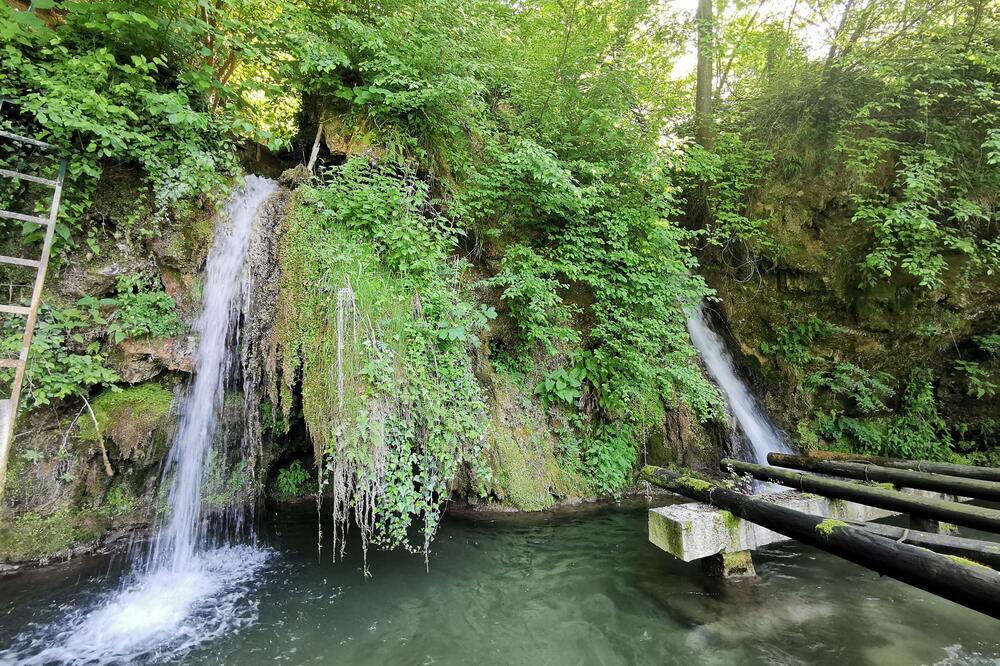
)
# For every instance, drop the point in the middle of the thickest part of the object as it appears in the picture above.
(32, 536)
(526, 470)
(136, 419)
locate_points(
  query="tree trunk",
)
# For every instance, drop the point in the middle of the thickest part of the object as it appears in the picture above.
(703, 89)
(952, 485)
(973, 586)
(925, 507)
(315, 148)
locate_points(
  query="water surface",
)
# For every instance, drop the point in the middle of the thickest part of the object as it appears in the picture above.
(580, 589)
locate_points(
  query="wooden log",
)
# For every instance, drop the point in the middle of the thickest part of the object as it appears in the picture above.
(951, 512)
(951, 469)
(983, 552)
(968, 584)
(942, 483)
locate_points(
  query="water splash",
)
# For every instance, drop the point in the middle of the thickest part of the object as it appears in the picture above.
(761, 433)
(155, 616)
(183, 593)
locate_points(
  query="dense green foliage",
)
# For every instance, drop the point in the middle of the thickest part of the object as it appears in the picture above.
(509, 194)
(63, 362)
(374, 319)
(120, 82)
(144, 309)
(890, 126)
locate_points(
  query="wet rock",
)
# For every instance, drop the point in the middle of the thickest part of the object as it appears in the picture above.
(349, 141)
(97, 276)
(292, 178)
(141, 360)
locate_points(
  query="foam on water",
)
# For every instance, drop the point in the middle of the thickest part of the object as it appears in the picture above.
(157, 615)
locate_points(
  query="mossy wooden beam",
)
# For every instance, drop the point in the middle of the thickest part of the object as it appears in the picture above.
(867, 471)
(975, 587)
(950, 469)
(952, 512)
(983, 552)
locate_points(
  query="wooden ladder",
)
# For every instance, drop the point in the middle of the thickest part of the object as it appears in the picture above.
(8, 406)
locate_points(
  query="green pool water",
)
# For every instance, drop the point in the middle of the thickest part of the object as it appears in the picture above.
(585, 588)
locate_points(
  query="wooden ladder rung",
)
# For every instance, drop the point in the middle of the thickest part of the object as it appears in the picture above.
(9, 362)
(24, 176)
(10, 215)
(18, 261)
(25, 139)
(15, 309)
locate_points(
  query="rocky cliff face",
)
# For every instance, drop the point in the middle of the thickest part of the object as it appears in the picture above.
(801, 319)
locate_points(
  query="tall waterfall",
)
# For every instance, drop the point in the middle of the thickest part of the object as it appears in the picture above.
(177, 542)
(761, 433)
(185, 592)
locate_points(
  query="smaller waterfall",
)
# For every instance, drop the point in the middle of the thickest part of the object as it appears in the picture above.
(753, 422)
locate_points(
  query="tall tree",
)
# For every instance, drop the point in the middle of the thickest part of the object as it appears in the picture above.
(703, 91)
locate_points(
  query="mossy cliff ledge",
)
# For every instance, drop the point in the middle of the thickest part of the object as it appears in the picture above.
(414, 377)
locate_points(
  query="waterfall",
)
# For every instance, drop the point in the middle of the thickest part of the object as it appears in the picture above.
(761, 433)
(177, 542)
(185, 592)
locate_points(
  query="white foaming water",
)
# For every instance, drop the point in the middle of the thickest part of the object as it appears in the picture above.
(156, 616)
(184, 594)
(763, 436)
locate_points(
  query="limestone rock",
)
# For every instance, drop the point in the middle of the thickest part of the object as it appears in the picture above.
(143, 359)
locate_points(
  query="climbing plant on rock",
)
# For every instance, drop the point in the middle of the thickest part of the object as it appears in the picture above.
(373, 319)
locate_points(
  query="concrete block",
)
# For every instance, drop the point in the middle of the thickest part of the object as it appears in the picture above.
(693, 531)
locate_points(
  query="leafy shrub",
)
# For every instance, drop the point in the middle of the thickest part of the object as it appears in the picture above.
(978, 379)
(727, 174)
(917, 431)
(531, 290)
(792, 342)
(867, 390)
(990, 344)
(117, 501)
(934, 206)
(62, 362)
(107, 105)
(561, 386)
(272, 421)
(609, 457)
(144, 309)
(291, 480)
